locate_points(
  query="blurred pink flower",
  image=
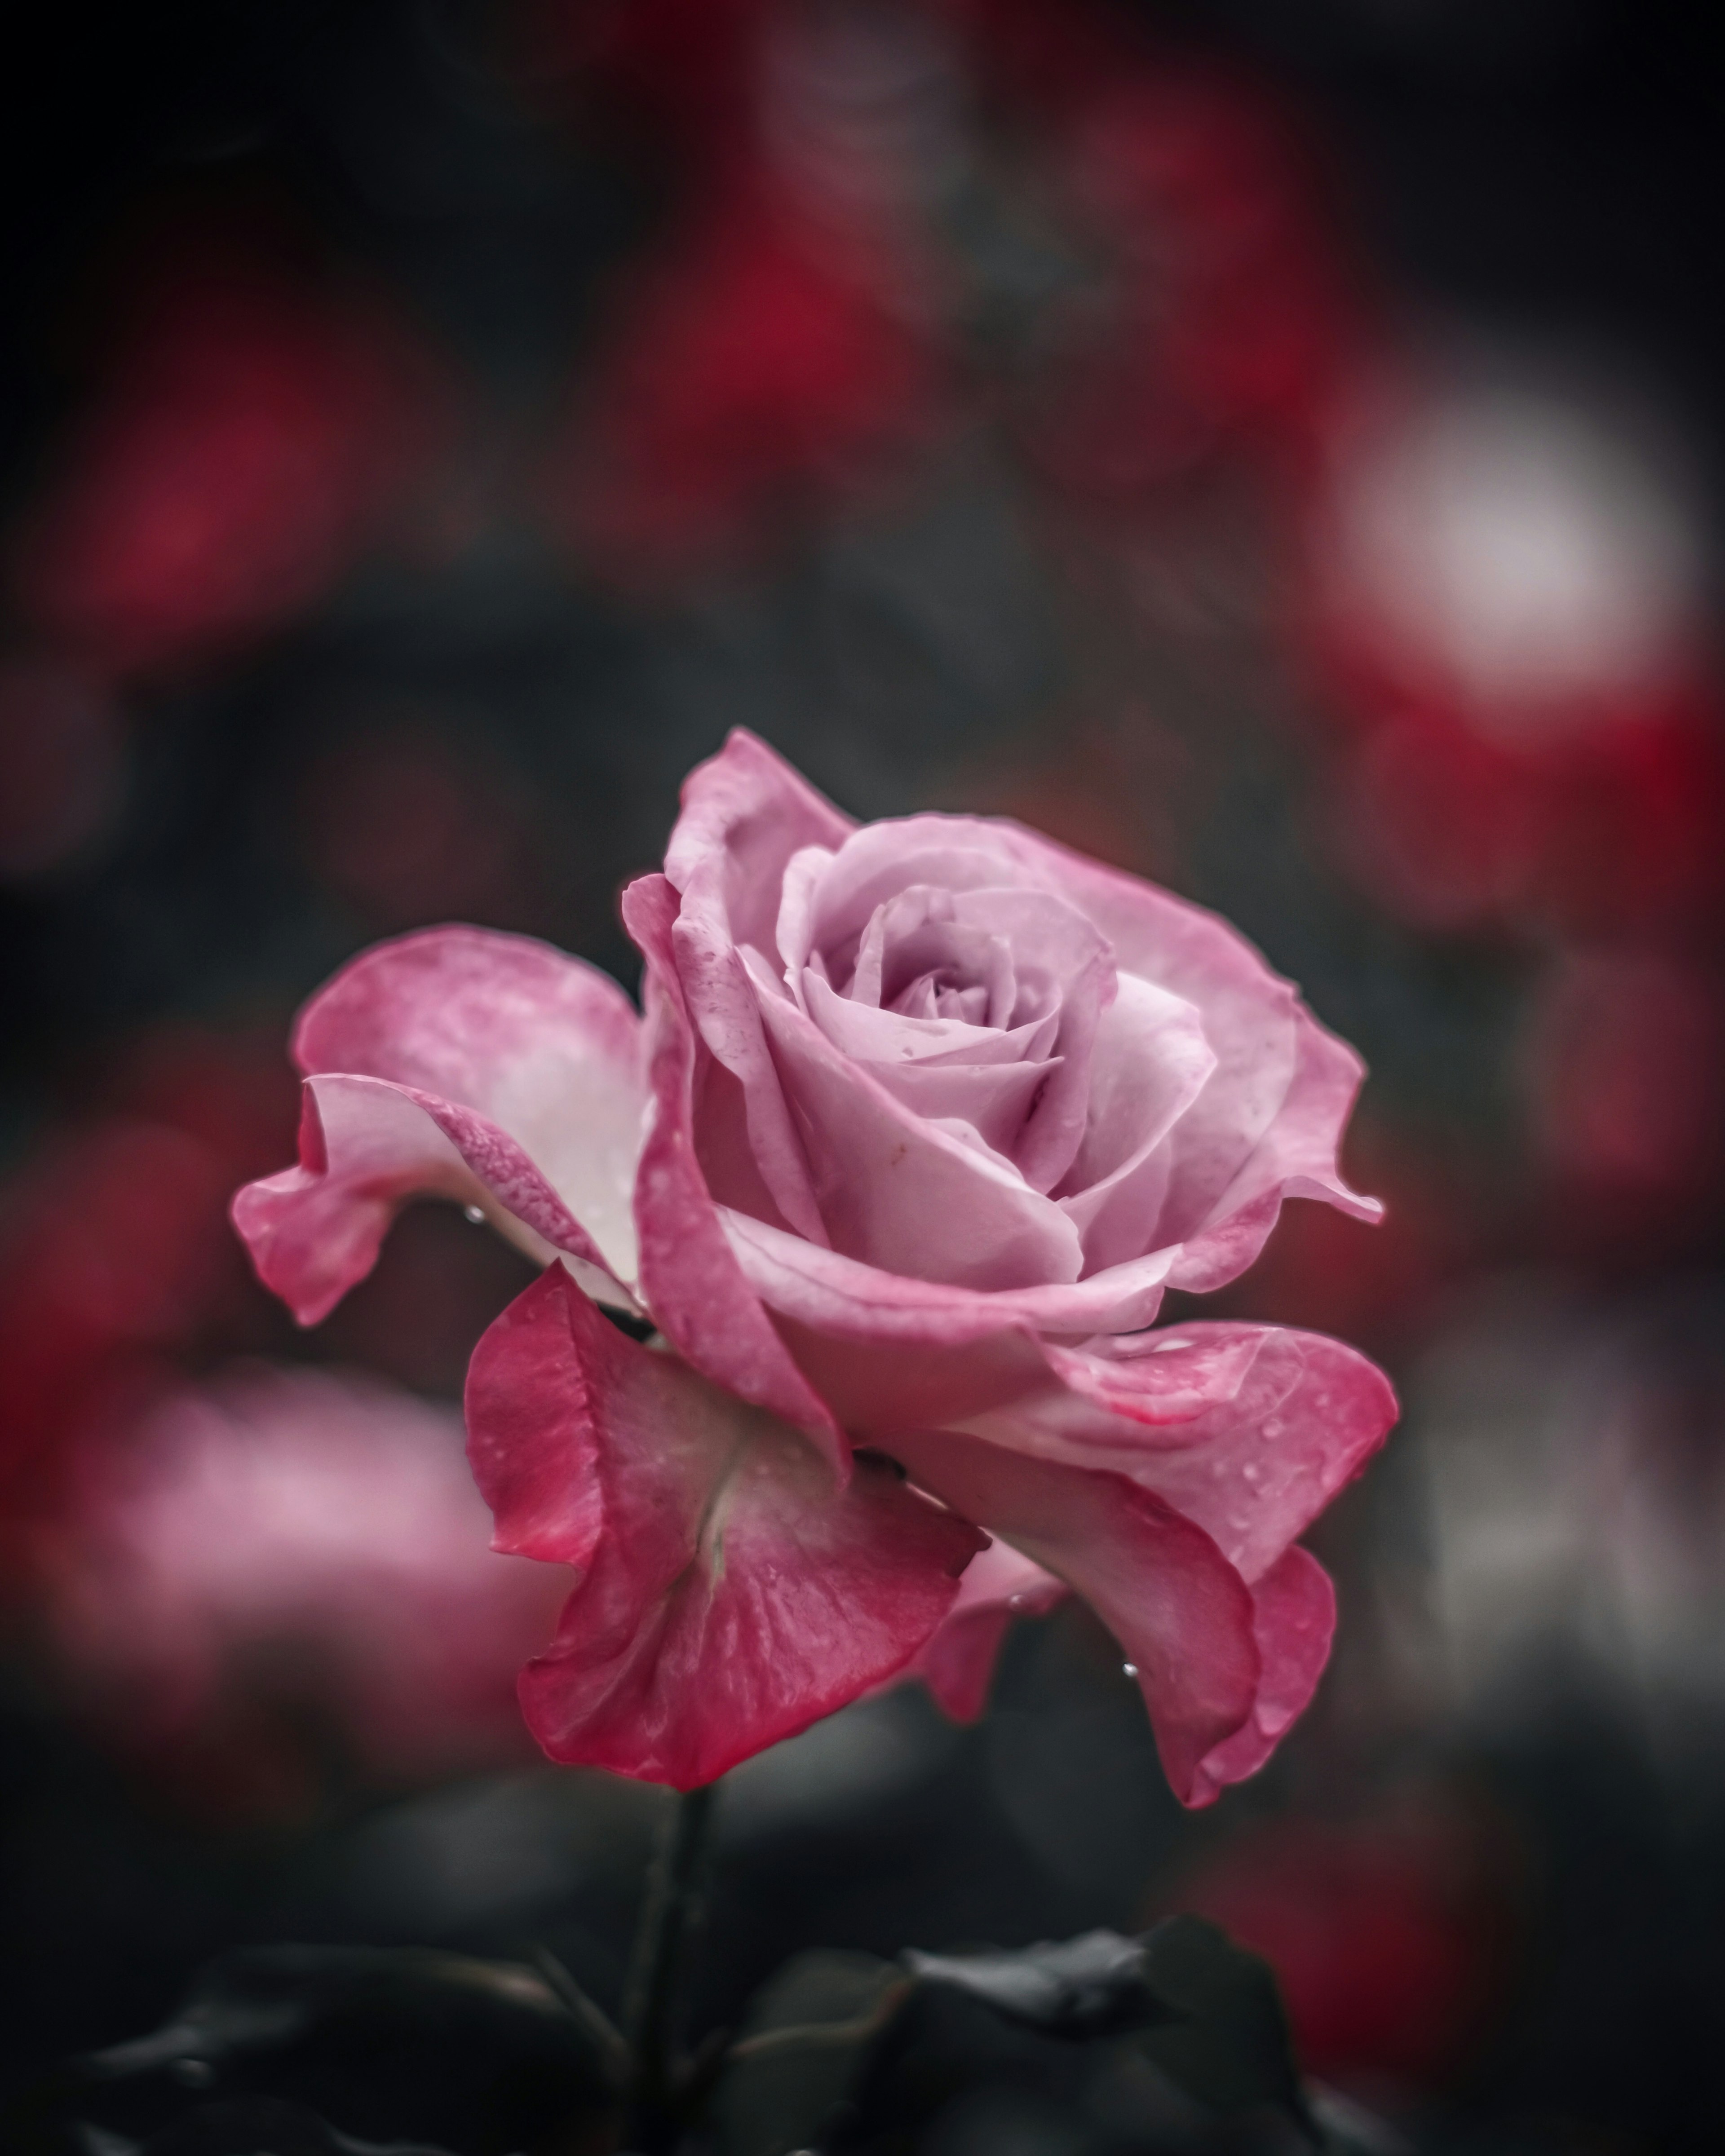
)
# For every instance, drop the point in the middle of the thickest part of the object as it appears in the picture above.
(923, 1118)
(116, 1259)
(319, 1526)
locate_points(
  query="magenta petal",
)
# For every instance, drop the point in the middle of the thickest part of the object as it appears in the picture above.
(690, 1276)
(1294, 1616)
(366, 1147)
(1182, 1613)
(736, 1593)
(958, 1662)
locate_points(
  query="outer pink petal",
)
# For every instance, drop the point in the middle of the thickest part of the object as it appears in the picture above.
(1249, 1431)
(1179, 1610)
(366, 1147)
(690, 1276)
(735, 1593)
(1256, 1468)
(486, 1068)
(1294, 1617)
(541, 1044)
(958, 1662)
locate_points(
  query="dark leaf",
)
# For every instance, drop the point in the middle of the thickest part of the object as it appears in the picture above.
(804, 2051)
(1081, 1987)
(387, 2045)
(1226, 2040)
(1178, 2039)
(256, 2125)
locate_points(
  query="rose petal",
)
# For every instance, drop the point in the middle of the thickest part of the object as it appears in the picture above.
(736, 1595)
(897, 1192)
(891, 1354)
(1254, 1466)
(1179, 1610)
(366, 1147)
(544, 1046)
(1295, 1159)
(746, 814)
(749, 806)
(958, 1662)
(1261, 1466)
(1294, 1619)
(1271, 1116)
(873, 1036)
(1151, 1061)
(876, 863)
(690, 1276)
(1159, 1378)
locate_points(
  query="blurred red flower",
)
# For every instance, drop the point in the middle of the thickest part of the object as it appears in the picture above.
(257, 428)
(1388, 1940)
(1501, 599)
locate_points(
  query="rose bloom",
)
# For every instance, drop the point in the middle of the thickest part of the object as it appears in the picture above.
(923, 1118)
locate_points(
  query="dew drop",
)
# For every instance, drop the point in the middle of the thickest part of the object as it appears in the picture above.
(476, 1214)
(1015, 1601)
(1130, 1668)
(1251, 1470)
(1273, 1428)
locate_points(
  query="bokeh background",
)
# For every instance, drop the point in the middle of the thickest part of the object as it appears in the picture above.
(1273, 447)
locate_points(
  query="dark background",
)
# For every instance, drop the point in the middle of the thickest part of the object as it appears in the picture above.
(1489, 1864)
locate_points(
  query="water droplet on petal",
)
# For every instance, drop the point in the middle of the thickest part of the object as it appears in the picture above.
(1251, 1470)
(1131, 1668)
(1273, 1428)
(476, 1214)
(1015, 1601)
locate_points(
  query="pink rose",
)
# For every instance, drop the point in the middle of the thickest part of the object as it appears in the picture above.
(923, 1118)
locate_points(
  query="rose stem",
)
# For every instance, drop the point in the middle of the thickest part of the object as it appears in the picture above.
(650, 1997)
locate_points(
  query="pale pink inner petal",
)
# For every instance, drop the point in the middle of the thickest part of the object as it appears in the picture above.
(794, 934)
(897, 1192)
(745, 814)
(882, 1036)
(1151, 1061)
(876, 863)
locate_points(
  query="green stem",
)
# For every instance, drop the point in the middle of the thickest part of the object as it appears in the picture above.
(650, 1996)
